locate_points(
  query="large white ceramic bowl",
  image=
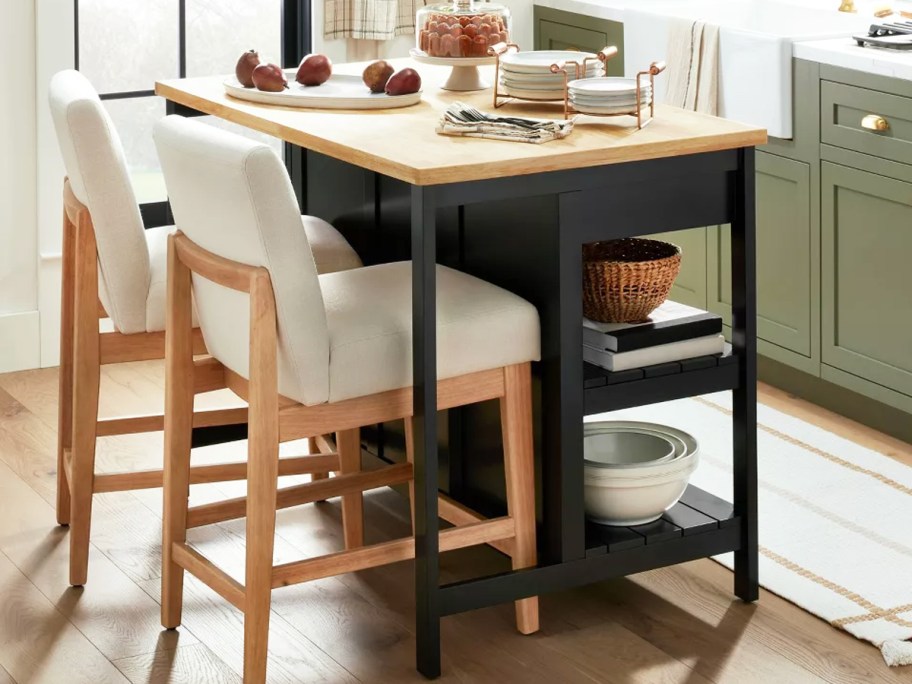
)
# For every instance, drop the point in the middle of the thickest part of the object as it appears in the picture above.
(639, 493)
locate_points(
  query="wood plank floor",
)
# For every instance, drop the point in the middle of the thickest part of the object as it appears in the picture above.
(673, 625)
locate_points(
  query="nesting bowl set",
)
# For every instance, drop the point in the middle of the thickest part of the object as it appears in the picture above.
(635, 471)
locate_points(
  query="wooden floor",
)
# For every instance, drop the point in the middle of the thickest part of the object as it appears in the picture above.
(667, 626)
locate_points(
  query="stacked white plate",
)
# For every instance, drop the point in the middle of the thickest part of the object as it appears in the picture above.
(528, 74)
(608, 95)
(633, 472)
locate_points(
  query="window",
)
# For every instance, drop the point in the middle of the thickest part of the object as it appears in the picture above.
(124, 46)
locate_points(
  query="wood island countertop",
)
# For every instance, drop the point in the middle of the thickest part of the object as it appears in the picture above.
(403, 144)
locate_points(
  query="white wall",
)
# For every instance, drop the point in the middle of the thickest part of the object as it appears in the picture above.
(19, 328)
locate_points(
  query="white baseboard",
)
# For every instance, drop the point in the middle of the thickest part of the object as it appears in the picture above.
(49, 305)
(20, 338)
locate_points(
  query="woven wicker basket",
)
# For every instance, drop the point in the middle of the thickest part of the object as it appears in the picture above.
(626, 280)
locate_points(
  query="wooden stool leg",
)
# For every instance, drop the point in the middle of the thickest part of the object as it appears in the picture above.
(410, 456)
(312, 448)
(86, 379)
(348, 442)
(262, 478)
(519, 466)
(178, 435)
(65, 380)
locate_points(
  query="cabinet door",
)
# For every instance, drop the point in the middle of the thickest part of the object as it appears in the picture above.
(690, 285)
(867, 279)
(559, 30)
(787, 261)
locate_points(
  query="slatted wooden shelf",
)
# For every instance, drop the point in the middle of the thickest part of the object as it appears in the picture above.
(698, 512)
(609, 391)
(700, 525)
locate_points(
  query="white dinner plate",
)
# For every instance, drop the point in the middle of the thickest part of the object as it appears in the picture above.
(552, 87)
(534, 61)
(341, 91)
(591, 109)
(610, 102)
(538, 79)
(605, 85)
(526, 94)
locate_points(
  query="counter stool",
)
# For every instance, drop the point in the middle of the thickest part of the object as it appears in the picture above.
(313, 355)
(113, 268)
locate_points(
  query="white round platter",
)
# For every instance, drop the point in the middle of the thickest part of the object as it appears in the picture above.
(534, 61)
(341, 91)
(464, 76)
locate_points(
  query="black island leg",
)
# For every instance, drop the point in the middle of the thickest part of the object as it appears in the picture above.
(424, 369)
(744, 343)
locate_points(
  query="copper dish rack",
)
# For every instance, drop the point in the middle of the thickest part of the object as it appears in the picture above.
(579, 71)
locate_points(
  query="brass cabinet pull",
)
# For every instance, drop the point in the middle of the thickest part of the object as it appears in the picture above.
(875, 122)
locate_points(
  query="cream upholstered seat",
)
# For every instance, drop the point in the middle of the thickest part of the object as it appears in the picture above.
(108, 257)
(314, 354)
(369, 321)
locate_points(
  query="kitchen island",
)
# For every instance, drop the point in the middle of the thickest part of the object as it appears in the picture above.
(517, 215)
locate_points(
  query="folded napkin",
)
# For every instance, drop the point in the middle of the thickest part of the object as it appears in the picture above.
(463, 119)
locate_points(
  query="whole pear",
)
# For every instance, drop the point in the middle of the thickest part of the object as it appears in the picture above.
(269, 77)
(403, 82)
(314, 70)
(376, 75)
(249, 61)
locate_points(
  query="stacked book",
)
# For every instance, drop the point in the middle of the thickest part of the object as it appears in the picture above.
(673, 332)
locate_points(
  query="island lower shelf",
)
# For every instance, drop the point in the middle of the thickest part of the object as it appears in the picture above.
(610, 391)
(700, 525)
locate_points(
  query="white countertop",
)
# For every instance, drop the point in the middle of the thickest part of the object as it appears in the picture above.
(844, 52)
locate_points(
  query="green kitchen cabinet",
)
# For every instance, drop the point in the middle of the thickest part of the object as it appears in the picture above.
(867, 281)
(690, 285)
(558, 30)
(787, 263)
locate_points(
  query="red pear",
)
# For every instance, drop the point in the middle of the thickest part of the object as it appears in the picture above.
(403, 82)
(269, 77)
(249, 61)
(314, 70)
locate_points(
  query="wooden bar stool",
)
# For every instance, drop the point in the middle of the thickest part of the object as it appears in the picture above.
(113, 268)
(314, 355)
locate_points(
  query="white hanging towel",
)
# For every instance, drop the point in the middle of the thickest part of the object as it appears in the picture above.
(693, 66)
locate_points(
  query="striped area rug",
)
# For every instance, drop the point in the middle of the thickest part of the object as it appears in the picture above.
(835, 517)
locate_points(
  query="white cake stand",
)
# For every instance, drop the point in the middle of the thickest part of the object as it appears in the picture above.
(464, 76)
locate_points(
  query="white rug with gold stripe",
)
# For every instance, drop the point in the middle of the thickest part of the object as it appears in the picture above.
(835, 517)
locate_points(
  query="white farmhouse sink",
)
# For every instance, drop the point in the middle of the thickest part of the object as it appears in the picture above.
(755, 43)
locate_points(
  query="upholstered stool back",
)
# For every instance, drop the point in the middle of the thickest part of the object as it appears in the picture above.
(233, 197)
(95, 164)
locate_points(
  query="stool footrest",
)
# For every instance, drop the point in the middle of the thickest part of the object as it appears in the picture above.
(304, 493)
(207, 572)
(472, 534)
(219, 472)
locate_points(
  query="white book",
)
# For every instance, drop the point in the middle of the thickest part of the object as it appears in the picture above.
(649, 356)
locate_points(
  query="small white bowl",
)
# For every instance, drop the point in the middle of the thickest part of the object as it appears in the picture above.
(613, 447)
